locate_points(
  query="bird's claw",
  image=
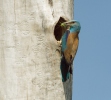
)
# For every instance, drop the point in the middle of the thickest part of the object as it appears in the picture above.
(59, 43)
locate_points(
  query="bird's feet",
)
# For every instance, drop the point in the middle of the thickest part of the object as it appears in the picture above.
(59, 43)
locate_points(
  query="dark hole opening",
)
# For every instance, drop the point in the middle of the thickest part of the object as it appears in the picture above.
(58, 29)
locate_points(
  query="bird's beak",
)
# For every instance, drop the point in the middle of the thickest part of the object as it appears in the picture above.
(69, 22)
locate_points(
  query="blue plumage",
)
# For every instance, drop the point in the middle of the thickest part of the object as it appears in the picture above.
(74, 28)
(64, 69)
(64, 40)
(64, 66)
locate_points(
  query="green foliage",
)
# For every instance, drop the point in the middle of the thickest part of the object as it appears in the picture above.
(63, 25)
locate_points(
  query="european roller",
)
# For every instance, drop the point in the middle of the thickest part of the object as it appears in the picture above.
(70, 41)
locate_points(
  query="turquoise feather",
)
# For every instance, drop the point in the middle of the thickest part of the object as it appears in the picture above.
(64, 40)
(76, 27)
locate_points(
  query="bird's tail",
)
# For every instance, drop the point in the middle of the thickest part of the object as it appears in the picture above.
(65, 69)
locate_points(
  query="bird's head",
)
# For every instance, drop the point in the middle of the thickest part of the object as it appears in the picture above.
(73, 25)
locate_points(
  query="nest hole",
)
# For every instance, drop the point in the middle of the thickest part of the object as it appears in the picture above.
(58, 29)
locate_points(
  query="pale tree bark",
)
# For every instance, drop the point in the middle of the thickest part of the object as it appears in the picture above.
(29, 60)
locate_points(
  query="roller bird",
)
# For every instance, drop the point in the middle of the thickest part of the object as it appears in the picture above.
(69, 46)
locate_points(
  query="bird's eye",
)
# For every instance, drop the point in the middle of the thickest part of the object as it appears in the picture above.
(73, 22)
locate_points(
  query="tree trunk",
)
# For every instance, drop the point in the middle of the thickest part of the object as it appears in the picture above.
(29, 59)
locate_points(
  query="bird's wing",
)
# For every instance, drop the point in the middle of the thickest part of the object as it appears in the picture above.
(67, 34)
(64, 40)
(64, 65)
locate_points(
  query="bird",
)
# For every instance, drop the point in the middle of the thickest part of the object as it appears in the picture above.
(69, 47)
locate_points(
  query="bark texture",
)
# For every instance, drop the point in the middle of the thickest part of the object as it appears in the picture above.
(29, 61)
